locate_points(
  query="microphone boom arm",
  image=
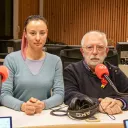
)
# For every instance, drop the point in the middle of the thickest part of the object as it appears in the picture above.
(114, 87)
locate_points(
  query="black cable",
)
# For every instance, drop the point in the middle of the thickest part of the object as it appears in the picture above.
(56, 112)
(111, 116)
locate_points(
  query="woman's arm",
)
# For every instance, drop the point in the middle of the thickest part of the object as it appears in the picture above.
(6, 97)
(58, 88)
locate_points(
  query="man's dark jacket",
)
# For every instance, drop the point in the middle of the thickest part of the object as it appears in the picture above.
(80, 81)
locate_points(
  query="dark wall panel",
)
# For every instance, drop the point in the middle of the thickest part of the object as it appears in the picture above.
(6, 19)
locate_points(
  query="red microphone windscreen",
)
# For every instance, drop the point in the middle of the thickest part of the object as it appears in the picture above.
(4, 73)
(101, 70)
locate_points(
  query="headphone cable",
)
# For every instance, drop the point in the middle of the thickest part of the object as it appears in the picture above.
(56, 112)
(111, 116)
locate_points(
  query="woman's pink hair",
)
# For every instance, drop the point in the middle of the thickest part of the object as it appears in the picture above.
(23, 46)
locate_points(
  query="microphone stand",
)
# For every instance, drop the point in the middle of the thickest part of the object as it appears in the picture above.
(0, 83)
(0, 80)
(114, 87)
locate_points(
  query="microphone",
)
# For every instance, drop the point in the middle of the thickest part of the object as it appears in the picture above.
(101, 70)
(4, 72)
(102, 73)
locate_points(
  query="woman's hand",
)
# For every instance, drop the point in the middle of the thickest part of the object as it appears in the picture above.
(32, 106)
(28, 108)
(39, 105)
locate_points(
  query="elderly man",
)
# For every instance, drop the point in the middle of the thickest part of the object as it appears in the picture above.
(80, 79)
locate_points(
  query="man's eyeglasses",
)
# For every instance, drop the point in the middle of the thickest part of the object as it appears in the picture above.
(99, 48)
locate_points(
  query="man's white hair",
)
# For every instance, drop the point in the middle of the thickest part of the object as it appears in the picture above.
(91, 32)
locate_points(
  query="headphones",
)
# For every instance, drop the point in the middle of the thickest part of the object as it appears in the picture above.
(82, 108)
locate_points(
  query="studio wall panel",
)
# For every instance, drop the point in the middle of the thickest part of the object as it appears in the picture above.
(69, 20)
(26, 8)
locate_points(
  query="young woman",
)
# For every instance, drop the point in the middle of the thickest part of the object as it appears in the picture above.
(35, 77)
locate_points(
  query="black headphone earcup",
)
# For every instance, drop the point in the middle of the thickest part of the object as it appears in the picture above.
(74, 104)
(84, 104)
(88, 100)
(82, 108)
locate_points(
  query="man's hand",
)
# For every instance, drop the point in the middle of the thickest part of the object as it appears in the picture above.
(39, 105)
(110, 106)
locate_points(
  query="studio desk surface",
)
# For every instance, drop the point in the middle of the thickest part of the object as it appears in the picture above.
(45, 120)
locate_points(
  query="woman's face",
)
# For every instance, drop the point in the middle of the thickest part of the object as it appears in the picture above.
(36, 34)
